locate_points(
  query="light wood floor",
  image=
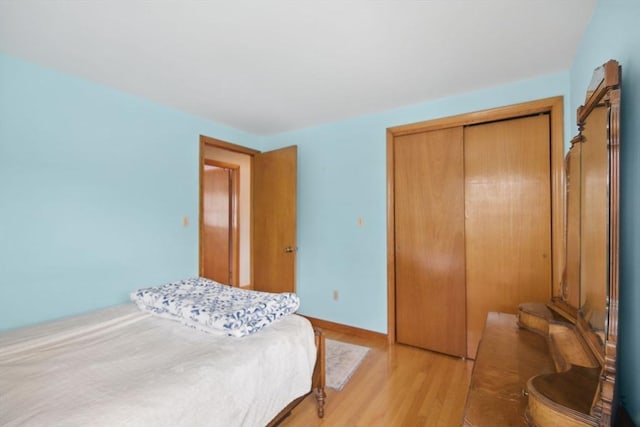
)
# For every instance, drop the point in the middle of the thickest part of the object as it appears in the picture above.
(394, 386)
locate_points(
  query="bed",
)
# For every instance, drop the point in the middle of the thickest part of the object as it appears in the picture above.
(125, 366)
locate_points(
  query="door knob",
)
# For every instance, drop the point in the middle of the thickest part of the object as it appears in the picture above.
(289, 249)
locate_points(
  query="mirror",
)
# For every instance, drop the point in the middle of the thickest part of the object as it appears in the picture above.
(594, 219)
(590, 281)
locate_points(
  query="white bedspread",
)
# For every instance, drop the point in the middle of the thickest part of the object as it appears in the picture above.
(124, 367)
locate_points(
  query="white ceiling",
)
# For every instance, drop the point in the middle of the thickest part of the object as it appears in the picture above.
(269, 66)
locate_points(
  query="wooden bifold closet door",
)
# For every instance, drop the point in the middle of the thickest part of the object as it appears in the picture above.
(472, 209)
(508, 218)
(429, 214)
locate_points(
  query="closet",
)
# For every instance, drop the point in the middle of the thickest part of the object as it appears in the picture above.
(471, 232)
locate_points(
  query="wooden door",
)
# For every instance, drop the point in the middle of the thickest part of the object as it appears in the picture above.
(508, 218)
(429, 245)
(274, 220)
(219, 223)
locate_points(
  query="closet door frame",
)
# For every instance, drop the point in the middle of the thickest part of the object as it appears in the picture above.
(554, 107)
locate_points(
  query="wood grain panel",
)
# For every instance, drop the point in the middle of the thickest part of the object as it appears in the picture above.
(571, 282)
(594, 265)
(429, 245)
(274, 220)
(553, 107)
(508, 218)
(507, 358)
(214, 152)
(217, 243)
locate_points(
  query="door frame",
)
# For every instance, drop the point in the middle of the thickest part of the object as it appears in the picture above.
(227, 146)
(554, 107)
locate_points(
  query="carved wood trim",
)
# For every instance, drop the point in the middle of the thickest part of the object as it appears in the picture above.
(610, 350)
(319, 372)
(604, 90)
(611, 80)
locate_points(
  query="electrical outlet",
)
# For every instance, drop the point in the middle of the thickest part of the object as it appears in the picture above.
(360, 221)
(335, 295)
(185, 221)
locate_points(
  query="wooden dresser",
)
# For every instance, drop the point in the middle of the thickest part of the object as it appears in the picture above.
(554, 363)
(532, 369)
(507, 358)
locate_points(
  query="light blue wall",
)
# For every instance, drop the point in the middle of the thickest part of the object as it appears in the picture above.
(342, 176)
(94, 184)
(614, 33)
(93, 187)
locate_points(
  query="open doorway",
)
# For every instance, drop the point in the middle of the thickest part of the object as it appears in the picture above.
(220, 221)
(266, 209)
(225, 212)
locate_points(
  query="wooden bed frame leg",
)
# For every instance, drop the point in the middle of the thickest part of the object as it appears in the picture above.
(320, 399)
(317, 383)
(319, 373)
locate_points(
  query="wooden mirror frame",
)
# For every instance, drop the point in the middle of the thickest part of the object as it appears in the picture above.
(603, 90)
